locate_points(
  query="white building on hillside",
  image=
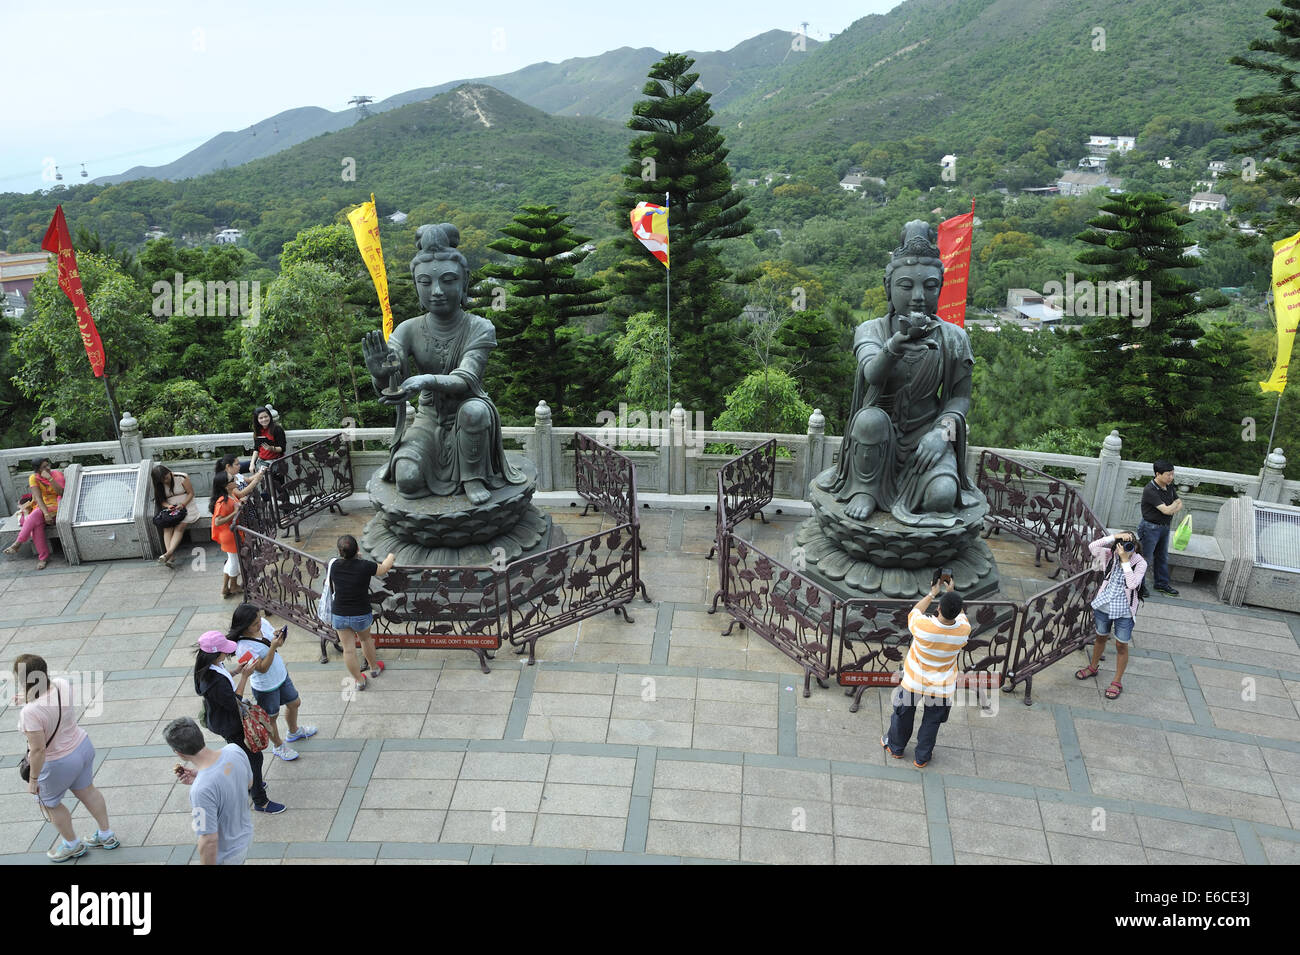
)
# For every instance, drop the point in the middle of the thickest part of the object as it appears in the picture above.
(1207, 200)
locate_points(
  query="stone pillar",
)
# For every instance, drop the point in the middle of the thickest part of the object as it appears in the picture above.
(1271, 478)
(677, 450)
(541, 448)
(812, 463)
(1104, 490)
(130, 429)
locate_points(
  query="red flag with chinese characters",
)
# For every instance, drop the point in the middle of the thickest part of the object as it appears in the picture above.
(59, 242)
(954, 249)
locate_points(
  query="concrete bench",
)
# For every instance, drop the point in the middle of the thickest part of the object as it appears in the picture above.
(1201, 553)
(10, 527)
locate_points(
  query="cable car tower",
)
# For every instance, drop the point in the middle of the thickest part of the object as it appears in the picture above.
(360, 103)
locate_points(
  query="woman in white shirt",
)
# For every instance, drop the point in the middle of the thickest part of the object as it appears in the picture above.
(270, 678)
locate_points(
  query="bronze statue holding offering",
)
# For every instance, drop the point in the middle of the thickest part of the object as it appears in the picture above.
(900, 501)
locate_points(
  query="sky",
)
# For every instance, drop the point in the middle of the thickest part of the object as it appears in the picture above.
(144, 83)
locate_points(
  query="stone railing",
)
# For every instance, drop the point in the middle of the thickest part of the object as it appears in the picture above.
(671, 460)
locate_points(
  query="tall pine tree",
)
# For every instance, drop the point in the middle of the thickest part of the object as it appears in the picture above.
(1145, 374)
(543, 352)
(1274, 116)
(680, 154)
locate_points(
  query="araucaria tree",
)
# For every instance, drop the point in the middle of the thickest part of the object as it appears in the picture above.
(542, 349)
(1146, 374)
(1274, 116)
(680, 154)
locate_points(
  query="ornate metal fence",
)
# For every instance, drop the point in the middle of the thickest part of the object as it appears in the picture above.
(794, 614)
(874, 638)
(306, 482)
(1056, 623)
(745, 487)
(1025, 501)
(572, 582)
(605, 479)
(472, 608)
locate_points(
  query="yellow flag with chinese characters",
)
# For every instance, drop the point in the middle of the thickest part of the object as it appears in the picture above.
(1286, 306)
(365, 225)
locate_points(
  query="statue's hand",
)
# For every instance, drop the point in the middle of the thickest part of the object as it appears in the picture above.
(381, 360)
(930, 451)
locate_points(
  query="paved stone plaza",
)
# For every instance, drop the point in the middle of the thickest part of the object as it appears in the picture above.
(662, 741)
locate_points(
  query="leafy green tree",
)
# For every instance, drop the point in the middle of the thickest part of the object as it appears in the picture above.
(814, 356)
(183, 406)
(765, 401)
(539, 333)
(304, 354)
(643, 352)
(680, 154)
(52, 368)
(1145, 375)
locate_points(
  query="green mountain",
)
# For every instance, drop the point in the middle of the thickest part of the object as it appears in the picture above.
(603, 86)
(472, 148)
(963, 70)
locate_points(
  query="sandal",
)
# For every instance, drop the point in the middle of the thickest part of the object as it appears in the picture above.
(1087, 673)
(13, 549)
(40, 564)
(1114, 690)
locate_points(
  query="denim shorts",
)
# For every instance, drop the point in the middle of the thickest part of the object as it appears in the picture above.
(1123, 625)
(75, 771)
(358, 623)
(270, 700)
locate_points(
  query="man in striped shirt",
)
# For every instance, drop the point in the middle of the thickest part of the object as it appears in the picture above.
(929, 674)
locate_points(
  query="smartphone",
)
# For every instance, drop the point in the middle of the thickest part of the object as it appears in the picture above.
(248, 655)
(283, 632)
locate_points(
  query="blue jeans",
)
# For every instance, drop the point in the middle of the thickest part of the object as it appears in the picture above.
(1155, 548)
(900, 724)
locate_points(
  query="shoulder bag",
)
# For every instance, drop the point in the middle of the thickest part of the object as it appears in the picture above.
(325, 607)
(25, 767)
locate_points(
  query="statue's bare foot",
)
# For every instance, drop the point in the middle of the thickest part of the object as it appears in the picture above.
(860, 506)
(477, 492)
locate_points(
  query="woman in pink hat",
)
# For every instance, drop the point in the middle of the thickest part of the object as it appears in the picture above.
(220, 680)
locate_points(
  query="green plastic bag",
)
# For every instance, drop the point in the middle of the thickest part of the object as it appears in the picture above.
(1184, 534)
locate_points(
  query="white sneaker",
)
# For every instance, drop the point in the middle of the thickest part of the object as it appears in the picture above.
(285, 753)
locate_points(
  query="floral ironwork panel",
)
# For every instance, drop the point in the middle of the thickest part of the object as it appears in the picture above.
(748, 482)
(789, 611)
(1056, 622)
(604, 478)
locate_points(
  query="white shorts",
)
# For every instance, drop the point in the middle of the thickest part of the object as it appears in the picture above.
(231, 568)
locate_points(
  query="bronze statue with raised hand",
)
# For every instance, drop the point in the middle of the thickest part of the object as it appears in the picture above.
(905, 444)
(454, 441)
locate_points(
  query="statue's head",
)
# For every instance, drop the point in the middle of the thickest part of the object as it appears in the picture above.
(915, 264)
(440, 270)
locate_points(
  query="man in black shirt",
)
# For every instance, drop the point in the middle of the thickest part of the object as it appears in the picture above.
(1160, 502)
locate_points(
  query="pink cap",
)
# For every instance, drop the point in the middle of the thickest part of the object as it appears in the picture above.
(214, 641)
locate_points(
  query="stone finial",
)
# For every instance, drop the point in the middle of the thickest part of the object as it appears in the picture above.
(678, 414)
(817, 422)
(542, 413)
(1112, 443)
(275, 415)
(1276, 460)
(128, 423)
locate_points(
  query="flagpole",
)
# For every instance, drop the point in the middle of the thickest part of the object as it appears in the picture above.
(112, 410)
(668, 303)
(1269, 450)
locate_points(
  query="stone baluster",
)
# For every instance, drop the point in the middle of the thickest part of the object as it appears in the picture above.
(541, 448)
(1271, 478)
(813, 463)
(1104, 490)
(677, 450)
(131, 438)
